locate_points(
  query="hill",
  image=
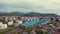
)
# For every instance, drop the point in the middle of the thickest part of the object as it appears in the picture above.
(26, 14)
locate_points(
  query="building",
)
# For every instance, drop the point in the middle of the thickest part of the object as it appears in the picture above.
(3, 26)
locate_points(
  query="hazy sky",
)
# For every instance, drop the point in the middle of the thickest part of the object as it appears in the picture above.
(42, 6)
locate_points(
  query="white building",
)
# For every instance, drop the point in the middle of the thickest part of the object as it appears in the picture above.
(1, 23)
(3, 26)
(20, 22)
(10, 23)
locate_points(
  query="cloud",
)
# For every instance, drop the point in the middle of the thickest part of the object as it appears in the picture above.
(42, 6)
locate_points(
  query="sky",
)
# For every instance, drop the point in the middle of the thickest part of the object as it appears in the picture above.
(41, 6)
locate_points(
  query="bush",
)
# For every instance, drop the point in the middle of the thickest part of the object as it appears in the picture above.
(29, 29)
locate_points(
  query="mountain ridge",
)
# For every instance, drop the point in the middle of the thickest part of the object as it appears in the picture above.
(26, 14)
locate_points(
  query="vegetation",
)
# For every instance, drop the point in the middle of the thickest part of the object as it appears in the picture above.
(6, 30)
(29, 29)
(26, 14)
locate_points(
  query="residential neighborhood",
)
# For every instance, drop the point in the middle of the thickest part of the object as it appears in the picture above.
(36, 25)
(29, 16)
